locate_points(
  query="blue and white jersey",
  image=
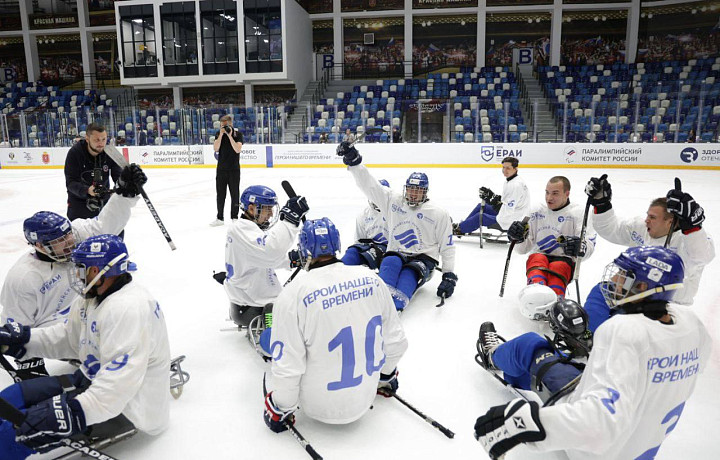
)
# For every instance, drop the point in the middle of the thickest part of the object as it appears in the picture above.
(423, 229)
(633, 390)
(37, 293)
(123, 345)
(371, 224)
(516, 202)
(334, 331)
(696, 249)
(546, 226)
(251, 257)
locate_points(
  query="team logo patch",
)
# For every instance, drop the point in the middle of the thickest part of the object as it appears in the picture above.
(95, 247)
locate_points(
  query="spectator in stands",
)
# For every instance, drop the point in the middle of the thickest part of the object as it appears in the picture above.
(323, 138)
(228, 144)
(396, 136)
(349, 136)
(692, 137)
(87, 174)
(141, 136)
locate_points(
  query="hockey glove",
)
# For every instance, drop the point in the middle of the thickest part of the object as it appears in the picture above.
(447, 285)
(486, 194)
(277, 420)
(572, 246)
(132, 178)
(388, 383)
(350, 155)
(496, 203)
(518, 231)
(12, 338)
(599, 194)
(690, 214)
(504, 427)
(50, 421)
(294, 257)
(294, 210)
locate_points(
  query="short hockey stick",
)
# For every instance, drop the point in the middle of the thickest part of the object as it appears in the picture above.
(303, 442)
(17, 418)
(290, 191)
(120, 160)
(429, 420)
(678, 187)
(507, 261)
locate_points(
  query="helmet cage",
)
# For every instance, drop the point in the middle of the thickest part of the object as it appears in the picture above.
(60, 249)
(78, 274)
(411, 193)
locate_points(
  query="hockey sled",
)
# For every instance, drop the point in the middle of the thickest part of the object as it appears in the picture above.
(178, 377)
(102, 435)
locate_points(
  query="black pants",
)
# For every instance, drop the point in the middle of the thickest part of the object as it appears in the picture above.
(224, 179)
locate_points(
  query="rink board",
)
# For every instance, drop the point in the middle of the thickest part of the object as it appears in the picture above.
(677, 156)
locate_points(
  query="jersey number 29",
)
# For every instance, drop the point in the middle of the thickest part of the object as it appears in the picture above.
(344, 340)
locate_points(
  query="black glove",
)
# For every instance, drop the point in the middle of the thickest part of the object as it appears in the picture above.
(572, 246)
(447, 285)
(599, 194)
(220, 277)
(690, 214)
(12, 338)
(504, 427)
(294, 210)
(276, 419)
(294, 257)
(388, 384)
(486, 194)
(518, 231)
(496, 203)
(50, 421)
(350, 155)
(132, 178)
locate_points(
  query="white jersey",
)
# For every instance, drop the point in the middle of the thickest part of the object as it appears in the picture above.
(334, 331)
(370, 224)
(546, 226)
(37, 293)
(696, 249)
(423, 229)
(516, 202)
(633, 390)
(251, 257)
(123, 345)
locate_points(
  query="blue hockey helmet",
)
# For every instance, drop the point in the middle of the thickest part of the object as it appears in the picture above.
(266, 205)
(318, 237)
(52, 232)
(384, 183)
(106, 252)
(642, 272)
(416, 188)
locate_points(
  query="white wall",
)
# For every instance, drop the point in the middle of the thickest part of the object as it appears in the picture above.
(297, 45)
(666, 156)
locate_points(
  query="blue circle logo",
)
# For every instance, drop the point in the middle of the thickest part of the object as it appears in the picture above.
(689, 154)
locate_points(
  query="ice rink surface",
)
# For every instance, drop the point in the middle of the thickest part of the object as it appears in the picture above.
(219, 415)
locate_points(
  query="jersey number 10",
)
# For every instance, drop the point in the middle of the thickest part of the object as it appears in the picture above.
(344, 340)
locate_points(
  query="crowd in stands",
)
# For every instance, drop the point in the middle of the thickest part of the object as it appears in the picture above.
(377, 59)
(437, 55)
(60, 70)
(591, 51)
(678, 47)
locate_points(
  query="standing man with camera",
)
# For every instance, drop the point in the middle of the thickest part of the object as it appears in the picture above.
(227, 145)
(87, 174)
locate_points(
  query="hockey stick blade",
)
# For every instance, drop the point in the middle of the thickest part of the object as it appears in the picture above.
(120, 160)
(429, 420)
(303, 442)
(442, 300)
(678, 187)
(288, 189)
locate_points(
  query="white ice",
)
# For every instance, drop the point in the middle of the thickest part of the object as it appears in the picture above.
(219, 415)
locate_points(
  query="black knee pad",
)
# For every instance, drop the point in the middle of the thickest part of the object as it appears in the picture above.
(423, 266)
(372, 254)
(243, 314)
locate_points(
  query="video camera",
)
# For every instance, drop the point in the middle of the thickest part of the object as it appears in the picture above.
(95, 203)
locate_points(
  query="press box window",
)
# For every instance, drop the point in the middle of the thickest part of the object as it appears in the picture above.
(263, 36)
(179, 39)
(137, 29)
(219, 37)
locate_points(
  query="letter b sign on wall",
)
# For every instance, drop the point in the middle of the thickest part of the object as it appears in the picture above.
(522, 56)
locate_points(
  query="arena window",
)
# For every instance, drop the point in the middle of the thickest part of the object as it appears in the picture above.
(263, 36)
(179, 39)
(219, 37)
(138, 39)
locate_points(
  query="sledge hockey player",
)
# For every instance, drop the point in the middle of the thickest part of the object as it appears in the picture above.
(117, 330)
(371, 236)
(420, 232)
(255, 246)
(317, 319)
(553, 236)
(643, 367)
(692, 243)
(499, 212)
(36, 291)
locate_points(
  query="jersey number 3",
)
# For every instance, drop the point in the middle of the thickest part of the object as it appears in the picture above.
(344, 340)
(672, 416)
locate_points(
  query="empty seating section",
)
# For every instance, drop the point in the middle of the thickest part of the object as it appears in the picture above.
(644, 102)
(482, 102)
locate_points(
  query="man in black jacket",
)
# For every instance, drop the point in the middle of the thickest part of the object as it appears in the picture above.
(87, 174)
(227, 145)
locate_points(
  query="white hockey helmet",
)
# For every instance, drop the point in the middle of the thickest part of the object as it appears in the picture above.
(536, 301)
